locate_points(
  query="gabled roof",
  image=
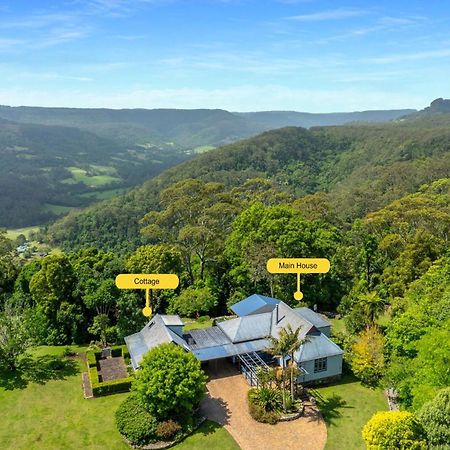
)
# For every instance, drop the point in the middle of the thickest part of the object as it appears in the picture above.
(255, 304)
(283, 316)
(248, 328)
(317, 346)
(316, 319)
(153, 334)
(171, 320)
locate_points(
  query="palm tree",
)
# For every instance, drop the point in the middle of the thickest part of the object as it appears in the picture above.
(373, 306)
(294, 342)
(280, 349)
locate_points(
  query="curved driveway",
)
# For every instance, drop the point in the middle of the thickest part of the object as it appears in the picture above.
(226, 403)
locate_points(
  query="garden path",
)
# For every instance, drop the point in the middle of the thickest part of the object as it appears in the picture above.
(226, 403)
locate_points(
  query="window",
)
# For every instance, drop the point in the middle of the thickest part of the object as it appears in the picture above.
(320, 365)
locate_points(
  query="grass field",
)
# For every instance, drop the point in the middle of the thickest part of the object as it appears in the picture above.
(346, 407)
(13, 233)
(102, 176)
(43, 408)
(58, 209)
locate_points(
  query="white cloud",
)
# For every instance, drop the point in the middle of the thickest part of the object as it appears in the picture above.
(415, 56)
(332, 14)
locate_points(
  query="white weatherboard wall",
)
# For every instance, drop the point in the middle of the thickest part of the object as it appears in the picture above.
(334, 368)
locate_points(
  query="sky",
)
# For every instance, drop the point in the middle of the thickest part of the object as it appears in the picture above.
(238, 55)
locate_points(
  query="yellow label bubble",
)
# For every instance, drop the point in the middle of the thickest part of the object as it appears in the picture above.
(147, 281)
(298, 265)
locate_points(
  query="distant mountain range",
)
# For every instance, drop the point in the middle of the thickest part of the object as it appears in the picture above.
(54, 159)
(185, 128)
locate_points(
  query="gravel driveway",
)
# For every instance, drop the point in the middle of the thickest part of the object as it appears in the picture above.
(226, 403)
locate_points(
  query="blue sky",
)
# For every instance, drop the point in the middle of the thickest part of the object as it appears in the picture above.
(240, 55)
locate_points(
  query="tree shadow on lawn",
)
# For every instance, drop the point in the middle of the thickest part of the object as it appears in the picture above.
(38, 370)
(331, 407)
(206, 428)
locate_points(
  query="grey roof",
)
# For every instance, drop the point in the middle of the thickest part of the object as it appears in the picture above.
(255, 304)
(172, 320)
(206, 337)
(152, 335)
(317, 346)
(247, 328)
(224, 351)
(283, 316)
(316, 319)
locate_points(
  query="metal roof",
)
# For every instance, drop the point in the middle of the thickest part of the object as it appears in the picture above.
(255, 304)
(171, 320)
(283, 316)
(317, 346)
(316, 319)
(206, 337)
(247, 328)
(224, 351)
(152, 335)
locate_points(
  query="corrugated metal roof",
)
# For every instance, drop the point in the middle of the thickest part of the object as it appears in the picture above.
(247, 328)
(255, 304)
(206, 337)
(152, 335)
(317, 346)
(316, 319)
(283, 316)
(224, 351)
(171, 320)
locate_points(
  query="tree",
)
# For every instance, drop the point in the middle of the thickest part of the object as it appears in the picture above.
(367, 358)
(373, 306)
(195, 216)
(293, 342)
(100, 328)
(399, 430)
(194, 301)
(281, 347)
(435, 418)
(14, 338)
(170, 382)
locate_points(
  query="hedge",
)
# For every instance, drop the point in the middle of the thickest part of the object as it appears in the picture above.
(92, 362)
(116, 351)
(110, 387)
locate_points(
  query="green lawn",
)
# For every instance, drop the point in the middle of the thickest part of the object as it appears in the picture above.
(99, 177)
(13, 233)
(192, 324)
(346, 407)
(44, 408)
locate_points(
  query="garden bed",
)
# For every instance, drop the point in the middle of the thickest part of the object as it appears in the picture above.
(108, 375)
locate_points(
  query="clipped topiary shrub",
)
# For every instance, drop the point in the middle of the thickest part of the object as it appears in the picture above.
(168, 429)
(394, 430)
(134, 422)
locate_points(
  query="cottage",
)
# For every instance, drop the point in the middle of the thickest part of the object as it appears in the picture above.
(244, 339)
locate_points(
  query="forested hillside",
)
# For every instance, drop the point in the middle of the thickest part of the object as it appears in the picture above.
(347, 171)
(48, 169)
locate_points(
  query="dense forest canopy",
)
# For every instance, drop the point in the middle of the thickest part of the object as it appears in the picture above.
(350, 171)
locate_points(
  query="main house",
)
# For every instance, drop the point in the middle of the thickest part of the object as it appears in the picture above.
(244, 340)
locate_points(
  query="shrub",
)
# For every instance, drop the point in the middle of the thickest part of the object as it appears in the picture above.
(435, 418)
(167, 429)
(398, 430)
(67, 352)
(116, 352)
(135, 422)
(259, 399)
(203, 319)
(170, 382)
(91, 361)
(258, 414)
(111, 387)
(93, 375)
(269, 399)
